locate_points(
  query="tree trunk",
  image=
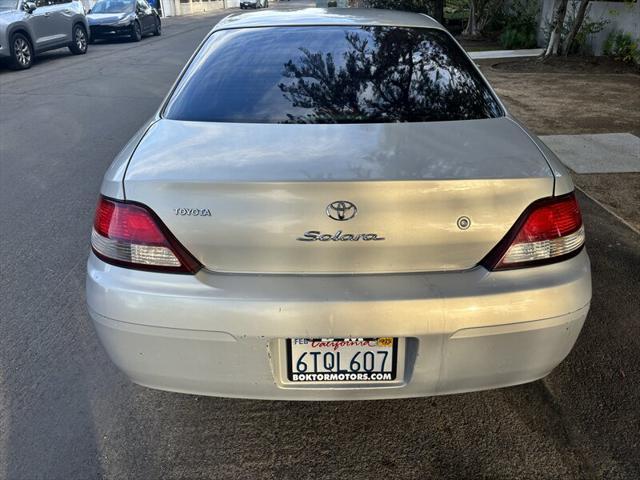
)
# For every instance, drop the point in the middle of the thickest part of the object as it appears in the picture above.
(575, 28)
(480, 12)
(471, 30)
(482, 17)
(560, 11)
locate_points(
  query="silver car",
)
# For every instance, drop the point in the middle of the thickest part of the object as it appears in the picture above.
(334, 205)
(28, 28)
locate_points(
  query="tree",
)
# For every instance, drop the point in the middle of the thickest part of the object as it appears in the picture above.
(434, 8)
(480, 13)
(575, 28)
(573, 24)
(559, 13)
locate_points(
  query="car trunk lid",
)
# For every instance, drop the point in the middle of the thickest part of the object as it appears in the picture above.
(257, 198)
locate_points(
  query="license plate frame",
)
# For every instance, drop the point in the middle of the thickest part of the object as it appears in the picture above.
(397, 358)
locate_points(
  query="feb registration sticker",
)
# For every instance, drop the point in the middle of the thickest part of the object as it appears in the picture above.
(342, 360)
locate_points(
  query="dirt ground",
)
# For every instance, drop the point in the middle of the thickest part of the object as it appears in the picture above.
(572, 97)
(578, 64)
(552, 103)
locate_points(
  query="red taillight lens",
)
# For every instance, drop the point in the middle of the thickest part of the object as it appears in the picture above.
(548, 231)
(130, 235)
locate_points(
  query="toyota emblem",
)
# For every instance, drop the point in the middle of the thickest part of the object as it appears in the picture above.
(341, 210)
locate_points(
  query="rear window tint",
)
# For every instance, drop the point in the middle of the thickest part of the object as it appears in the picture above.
(331, 75)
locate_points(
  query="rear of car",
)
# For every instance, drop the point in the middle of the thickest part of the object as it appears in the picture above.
(336, 207)
(110, 18)
(123, 18)
(255, 4)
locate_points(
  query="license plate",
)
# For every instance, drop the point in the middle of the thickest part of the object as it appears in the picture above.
(342, 360)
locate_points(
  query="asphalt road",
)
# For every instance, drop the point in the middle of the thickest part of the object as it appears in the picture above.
(67, 413)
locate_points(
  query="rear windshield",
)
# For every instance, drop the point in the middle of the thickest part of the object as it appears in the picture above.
(331, 75)
(113, 6)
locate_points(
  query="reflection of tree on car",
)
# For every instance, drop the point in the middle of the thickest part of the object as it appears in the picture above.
(385, 74)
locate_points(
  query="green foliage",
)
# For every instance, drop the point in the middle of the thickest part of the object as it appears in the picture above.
(497, 23)
(456, 9)
(513, 39)
(421, 6)
(520, 25)
(588, 27)
(622, 46)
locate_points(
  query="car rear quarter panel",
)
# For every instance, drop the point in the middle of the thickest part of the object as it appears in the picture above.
(113, 180)
(562, 178)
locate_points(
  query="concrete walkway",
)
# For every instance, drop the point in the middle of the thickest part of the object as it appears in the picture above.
(601, 153)
(530, 52)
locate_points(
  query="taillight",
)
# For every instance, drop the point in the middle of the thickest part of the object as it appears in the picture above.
(131, 235)
(548, 231)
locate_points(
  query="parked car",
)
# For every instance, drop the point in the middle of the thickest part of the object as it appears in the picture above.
(123, 18)
(336, 206)
(255, 4)
(30, 28)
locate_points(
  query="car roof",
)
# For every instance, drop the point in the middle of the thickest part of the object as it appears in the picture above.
(328, 17)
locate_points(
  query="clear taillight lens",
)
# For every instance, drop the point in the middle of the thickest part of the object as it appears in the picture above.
(130, 235)
(549, 230)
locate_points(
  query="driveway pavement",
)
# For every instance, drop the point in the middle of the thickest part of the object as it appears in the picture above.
(67, 413)
(490, 54)
(599, 153)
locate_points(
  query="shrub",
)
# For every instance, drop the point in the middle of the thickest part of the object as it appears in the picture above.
(456, 9)
(520, 25)
(513, 39)
(622, 46)
(421, 6)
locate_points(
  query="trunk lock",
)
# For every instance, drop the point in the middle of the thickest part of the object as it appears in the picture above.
(464, 223)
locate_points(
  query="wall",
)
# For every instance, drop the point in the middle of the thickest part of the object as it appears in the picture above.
(197, 6)
(621, 16)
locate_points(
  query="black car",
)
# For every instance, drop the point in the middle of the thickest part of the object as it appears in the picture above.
(123, 18)
(244, 4)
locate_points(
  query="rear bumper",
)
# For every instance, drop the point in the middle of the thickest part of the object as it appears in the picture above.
(215, 334)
